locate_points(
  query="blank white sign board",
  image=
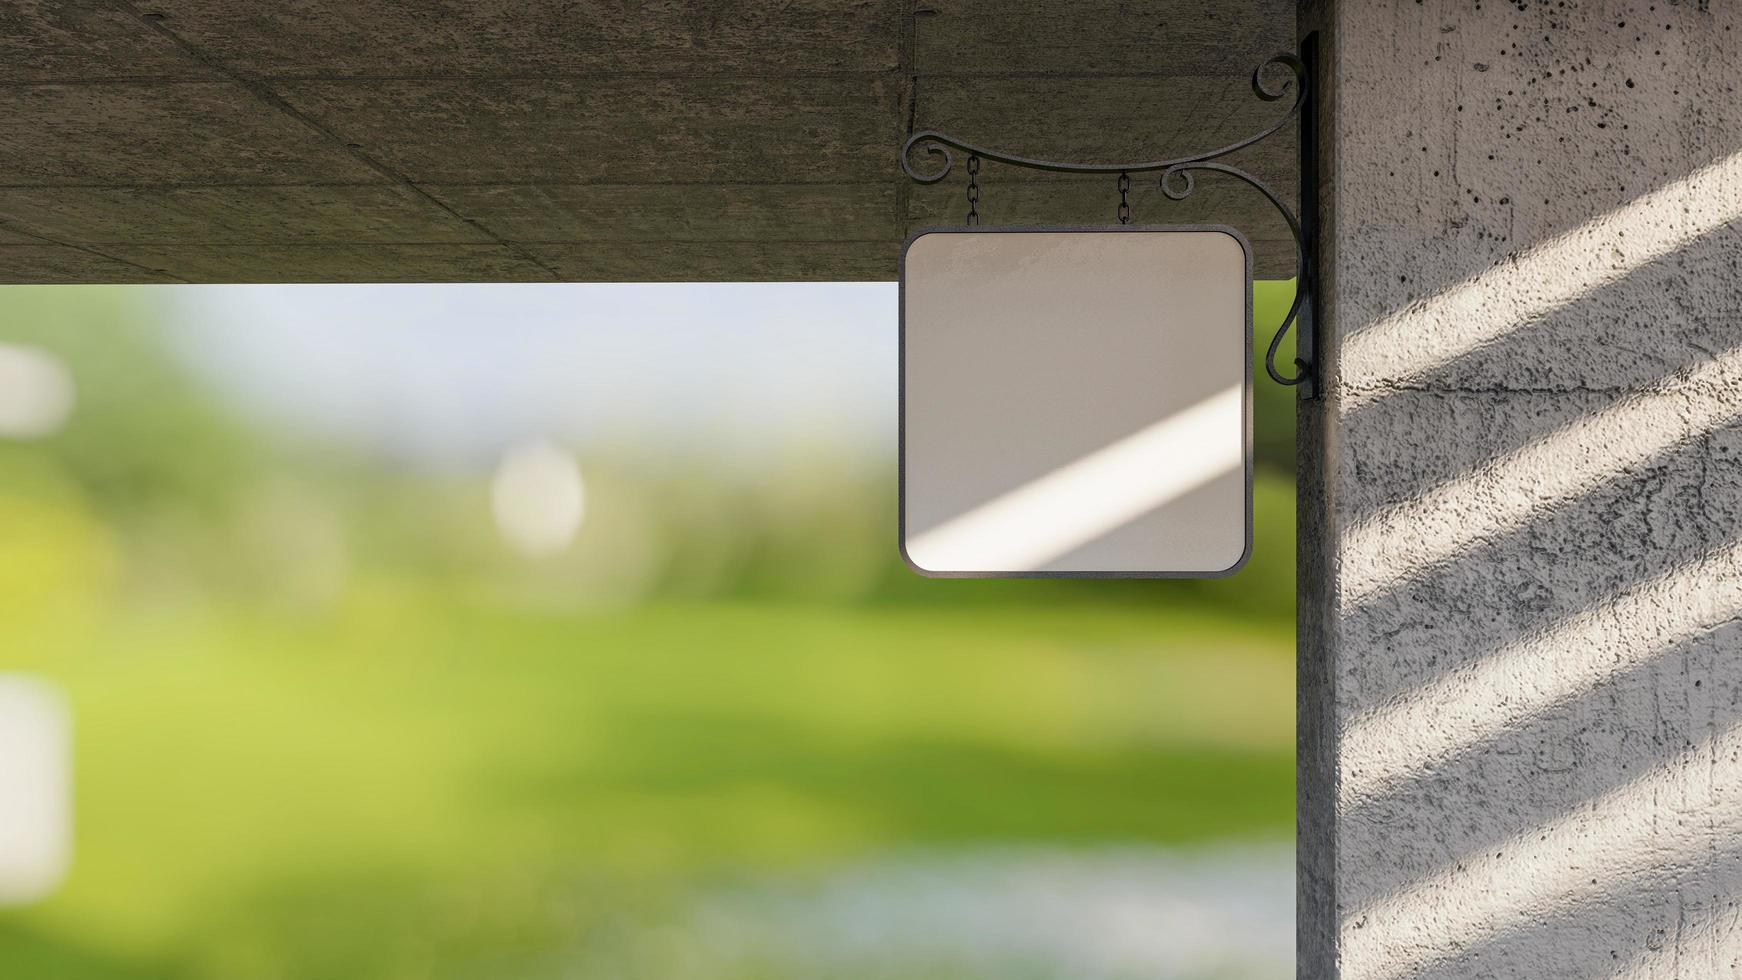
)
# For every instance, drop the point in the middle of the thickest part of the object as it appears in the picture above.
(1076, 402)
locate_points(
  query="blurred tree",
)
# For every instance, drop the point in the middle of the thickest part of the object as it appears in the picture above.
(142, 436)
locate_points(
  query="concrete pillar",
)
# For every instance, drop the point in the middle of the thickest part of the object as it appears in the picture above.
(1521, 597)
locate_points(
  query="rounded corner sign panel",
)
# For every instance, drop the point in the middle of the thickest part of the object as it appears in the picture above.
(1076, 402)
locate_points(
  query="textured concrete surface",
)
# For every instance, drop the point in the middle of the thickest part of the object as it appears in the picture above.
(1521, 520)
(221, 140)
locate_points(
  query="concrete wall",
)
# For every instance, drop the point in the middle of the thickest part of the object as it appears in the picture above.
(1521, 598)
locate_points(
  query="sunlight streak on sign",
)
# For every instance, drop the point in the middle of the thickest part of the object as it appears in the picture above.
(1038, 522)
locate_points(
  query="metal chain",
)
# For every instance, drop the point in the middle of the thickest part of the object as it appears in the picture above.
(1124, 198)
(973, 189)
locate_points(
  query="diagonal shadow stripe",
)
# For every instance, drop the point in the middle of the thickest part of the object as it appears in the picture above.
(1573, 352)
(1696, 933)
(1400, 542)
(1557, 572)
(1644, 929)
(1430, 260)
(1407, 345)
(1563, 866)
(1404, 739)
(1562, 756)
(1640, 525)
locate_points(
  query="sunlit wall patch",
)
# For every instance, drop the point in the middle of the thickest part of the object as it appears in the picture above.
(1076, 402)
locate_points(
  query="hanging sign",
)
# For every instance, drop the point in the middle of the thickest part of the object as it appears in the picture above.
(1076, 402)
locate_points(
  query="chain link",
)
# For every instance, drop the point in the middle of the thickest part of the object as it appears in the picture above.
(1124, 199)
(973, 189)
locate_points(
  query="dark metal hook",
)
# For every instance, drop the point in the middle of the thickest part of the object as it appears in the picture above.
(1300, 254)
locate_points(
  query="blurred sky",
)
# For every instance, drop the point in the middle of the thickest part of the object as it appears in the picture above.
(450, 374)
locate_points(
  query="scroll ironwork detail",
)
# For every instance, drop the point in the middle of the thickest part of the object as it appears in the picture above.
(1277, 78)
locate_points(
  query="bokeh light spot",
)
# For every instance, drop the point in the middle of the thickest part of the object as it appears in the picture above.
(537, 498)
(36, 393)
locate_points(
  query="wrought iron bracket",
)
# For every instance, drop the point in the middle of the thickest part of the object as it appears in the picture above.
(1274, 80)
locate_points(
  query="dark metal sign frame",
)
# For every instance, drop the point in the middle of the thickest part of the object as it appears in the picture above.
(1245, 409)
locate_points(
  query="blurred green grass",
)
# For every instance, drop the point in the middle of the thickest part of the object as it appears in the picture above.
(430, 777)
(408, 749)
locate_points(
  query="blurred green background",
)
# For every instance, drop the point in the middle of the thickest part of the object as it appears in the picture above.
(328, 725)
